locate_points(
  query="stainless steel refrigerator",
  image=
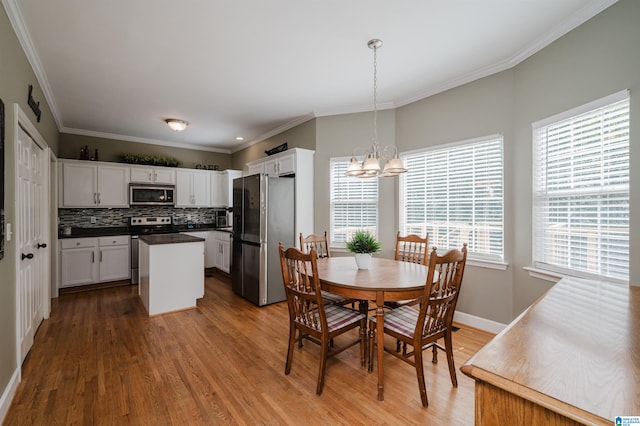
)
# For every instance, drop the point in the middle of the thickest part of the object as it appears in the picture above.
(263, 215)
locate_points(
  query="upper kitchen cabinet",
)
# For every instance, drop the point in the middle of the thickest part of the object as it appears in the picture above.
(222, 187)
(281, 164)
(93, 184)
(193, 188)
(161, 175)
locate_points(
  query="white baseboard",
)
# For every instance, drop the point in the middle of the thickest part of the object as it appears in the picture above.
(8, 394)
(478, 322)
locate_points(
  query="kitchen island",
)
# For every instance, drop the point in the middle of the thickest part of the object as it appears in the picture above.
(171, 272)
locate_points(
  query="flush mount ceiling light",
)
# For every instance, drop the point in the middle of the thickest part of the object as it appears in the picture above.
(375, 162)
(239, 138)
(176, 124)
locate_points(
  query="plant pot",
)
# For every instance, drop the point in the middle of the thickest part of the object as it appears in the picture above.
(363, 260)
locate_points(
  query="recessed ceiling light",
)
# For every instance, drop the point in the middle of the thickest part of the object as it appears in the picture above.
(239, 138)
(176, 124)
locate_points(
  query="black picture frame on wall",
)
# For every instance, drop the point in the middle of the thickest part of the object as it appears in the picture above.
(1, 179)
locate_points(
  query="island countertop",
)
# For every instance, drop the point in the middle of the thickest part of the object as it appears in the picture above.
(169, 239)
(575, 353)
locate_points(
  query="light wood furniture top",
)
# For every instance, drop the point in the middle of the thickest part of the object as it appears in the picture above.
(384, 280)
(573, 357)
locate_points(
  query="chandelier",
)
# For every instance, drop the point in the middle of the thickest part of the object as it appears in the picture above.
(375, 161)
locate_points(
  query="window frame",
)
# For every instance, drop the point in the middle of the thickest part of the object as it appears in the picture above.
(332, 203)
(476, 259)
(540, 268)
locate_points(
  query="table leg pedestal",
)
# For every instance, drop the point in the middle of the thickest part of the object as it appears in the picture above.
(380, 345)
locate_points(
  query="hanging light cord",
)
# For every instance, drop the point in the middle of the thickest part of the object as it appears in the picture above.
(375, 95)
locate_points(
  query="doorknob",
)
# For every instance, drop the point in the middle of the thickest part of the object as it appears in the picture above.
(43, 245)
(27, 256)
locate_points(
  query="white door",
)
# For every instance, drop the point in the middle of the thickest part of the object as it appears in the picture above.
(33, 271)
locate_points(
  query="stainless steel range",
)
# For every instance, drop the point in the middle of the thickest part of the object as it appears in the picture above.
(145, 226)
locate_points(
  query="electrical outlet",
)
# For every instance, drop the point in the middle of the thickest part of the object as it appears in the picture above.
(93, 219)
(188, 217)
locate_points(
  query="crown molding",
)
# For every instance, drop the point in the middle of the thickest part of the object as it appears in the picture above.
(136, 139)
(356, 109)
(17, 22)
(286, 126)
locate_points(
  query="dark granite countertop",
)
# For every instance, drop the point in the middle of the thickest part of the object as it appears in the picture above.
(169, 239)
(108, 231)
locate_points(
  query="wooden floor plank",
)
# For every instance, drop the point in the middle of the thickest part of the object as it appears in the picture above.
(99, 359)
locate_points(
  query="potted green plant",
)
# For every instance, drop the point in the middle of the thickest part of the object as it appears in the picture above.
(363, 244)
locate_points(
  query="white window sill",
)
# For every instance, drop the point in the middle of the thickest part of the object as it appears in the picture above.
(554, 277)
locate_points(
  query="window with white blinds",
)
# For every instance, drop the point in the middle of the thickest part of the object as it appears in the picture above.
(581, 190)
(455, 194)
(354, 203)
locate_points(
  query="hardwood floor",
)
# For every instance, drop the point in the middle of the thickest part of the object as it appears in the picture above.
(100, 360)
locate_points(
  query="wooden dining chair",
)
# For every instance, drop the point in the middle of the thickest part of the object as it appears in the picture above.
(433, 321)
(316, 321)
(321, 245)
(317, 242)
(411, 248)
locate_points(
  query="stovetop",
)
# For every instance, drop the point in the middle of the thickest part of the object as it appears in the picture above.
(151, 225)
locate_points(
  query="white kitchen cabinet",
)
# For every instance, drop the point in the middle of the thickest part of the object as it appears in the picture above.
(301, 163)
(93, 260)
(210, 246)
(78, 261)
(91, 184)
(283, 164)
(222, 247)
(114, 258)
(159, 175)
(222, 187)
(193, 188)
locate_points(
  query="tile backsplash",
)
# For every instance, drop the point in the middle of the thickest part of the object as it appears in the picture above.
(81, 218)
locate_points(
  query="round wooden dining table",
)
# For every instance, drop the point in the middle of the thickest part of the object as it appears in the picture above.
(385, 280)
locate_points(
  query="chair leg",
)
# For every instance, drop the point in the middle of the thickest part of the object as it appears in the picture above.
(323, 366)
(448, 346)
(420, 374)
(292, 343)
(363, 343)
(372, 343)
(397, 345)
(434, 349)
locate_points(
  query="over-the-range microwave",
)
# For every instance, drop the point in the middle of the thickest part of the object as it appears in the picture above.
(151, 195)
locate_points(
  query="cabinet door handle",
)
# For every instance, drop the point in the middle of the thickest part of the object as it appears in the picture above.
(43, 245)
(100, 256)
(150, 176)
(93, 257)
(98, 198)
(27, 256)
(95, 198)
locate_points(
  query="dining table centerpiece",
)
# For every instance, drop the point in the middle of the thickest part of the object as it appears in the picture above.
(363, 244)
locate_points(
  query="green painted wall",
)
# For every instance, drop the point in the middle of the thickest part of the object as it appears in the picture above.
(15, 77)
(110, 150)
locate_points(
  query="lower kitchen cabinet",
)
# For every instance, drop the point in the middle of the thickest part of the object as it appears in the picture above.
(94, 260)
(217, 249)
(223, 255)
